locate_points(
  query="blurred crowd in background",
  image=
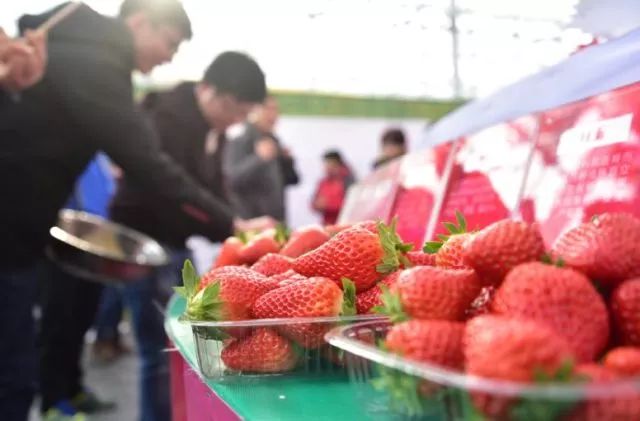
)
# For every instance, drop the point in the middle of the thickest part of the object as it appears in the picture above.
(200, 158)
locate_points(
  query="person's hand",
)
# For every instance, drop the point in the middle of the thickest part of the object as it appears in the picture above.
(266, 149)
(319, 203)
(256, 224)
(286, 152)
(22, 61)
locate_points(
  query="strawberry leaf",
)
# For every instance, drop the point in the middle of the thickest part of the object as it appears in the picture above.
(391, 306)
(432, 247)
(452, 228)
(349, 298)
(181, 291)
(282, 233)
(190, 279)
(392, 246)
(538, 409)
(205, 304)
(462, 222)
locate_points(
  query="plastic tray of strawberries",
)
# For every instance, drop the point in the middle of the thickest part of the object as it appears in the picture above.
(389, 386)
(266, 305)
(269, 347)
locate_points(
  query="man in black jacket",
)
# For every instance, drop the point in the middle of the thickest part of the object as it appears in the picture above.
(82, 105)
(191, 121)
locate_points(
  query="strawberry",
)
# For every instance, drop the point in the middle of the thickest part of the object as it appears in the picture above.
(357, 254)
(562, 299)
(624, 405)
(419, 258)
(606, 249)
(371, 226)
(314, 297)
(512, 349)
(332, 230)
(259, 245)
(624, 361)
(304, 240)
(500, 247)
(226, 293)
(432, 341)
(449, 250)
(428, 292)
(287, 278)
(263, 351)
(482, 303)
(367, 300)
(625, 308)
(229, 253)
(272, 264)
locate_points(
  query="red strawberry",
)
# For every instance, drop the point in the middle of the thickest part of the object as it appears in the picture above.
(624, 361)
(606, 249)
(229, 253)
(432, 341)
(482, 303)
(451, 254)
(357, 254)
(336, 228)
(624, 406)
(272, 264)
(314, 297)
(419, 258)
(287, 278)
(428, 292)
(625, 308)
(226, 293)
(500, 247)
(367, 300)
(371, 226)
(561, 298)
(304, 240)
(512, 349)
(449, 251)
(258, 246)
(263, 351)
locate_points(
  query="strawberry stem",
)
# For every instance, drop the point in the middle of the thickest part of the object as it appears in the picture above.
(432, 247)
(202, 304)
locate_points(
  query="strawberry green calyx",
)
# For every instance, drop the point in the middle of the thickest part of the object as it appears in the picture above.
(549, 260)
(391, 306)
(349, 298)
(394, 248)
(432, 247)
(282, 233)
(203, 304)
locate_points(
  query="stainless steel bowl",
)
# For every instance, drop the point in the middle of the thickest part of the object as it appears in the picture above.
(93, 248)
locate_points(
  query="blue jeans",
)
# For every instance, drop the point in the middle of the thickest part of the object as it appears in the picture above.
(18, 356)
(109, 314)
(147, 299)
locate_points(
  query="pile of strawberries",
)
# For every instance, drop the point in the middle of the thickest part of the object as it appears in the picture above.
(315, 272)
(496, 304)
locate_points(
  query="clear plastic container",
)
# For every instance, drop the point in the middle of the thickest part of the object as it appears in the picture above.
(306, 336)
(392, 387)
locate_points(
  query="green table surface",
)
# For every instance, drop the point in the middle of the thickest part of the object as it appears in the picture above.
(279, 398)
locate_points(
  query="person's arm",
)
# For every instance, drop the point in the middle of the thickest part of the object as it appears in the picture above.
(98, 95)
(287, 166)
(247, 161)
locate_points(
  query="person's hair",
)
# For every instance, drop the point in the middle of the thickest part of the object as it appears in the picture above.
(333, 155)
(393, 137)
(160, 12)
(238, 75)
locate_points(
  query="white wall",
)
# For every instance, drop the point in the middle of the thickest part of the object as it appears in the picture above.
(357, 139)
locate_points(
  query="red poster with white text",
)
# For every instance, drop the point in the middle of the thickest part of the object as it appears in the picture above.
(586, 161)
(421, 179)
(488, 170)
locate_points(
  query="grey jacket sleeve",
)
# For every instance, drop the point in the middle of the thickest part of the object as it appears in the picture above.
(245, 169)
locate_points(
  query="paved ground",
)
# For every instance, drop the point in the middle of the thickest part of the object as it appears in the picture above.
(117, 381)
